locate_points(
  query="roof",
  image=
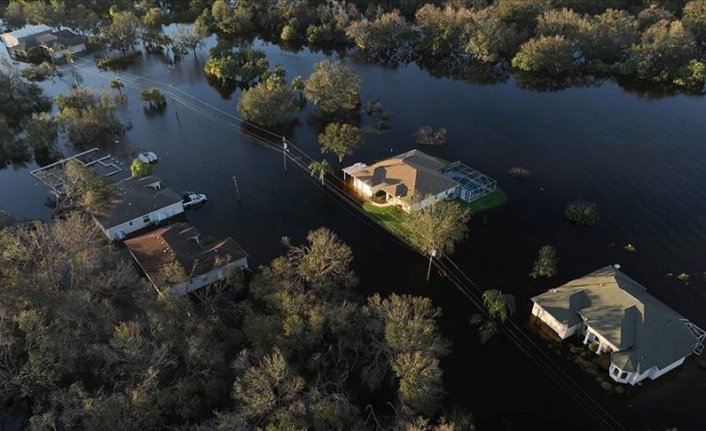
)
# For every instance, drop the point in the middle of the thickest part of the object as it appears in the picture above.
(181, 243)
(645, 331)
(29, 31)
(135, 197)
(406, 175)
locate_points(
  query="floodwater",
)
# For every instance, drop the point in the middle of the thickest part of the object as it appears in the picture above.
(641, 159)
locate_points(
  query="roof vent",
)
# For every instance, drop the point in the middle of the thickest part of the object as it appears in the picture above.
(616, 265)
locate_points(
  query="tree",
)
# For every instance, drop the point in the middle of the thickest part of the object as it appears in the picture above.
(491, 39)
(694, 19)
(442, 31)
(610, 35)
(552, 55)
(268, 103)
(154, 97)
(522, 13)
(438, 227)
(117, 84)
(319, 169)
(89, 119)
(428, 136)
(333, 87)
(140, 168)
(83, 189)
(389, 37)
(244, 65)
(14, 15)
(406, 340)
(122, 33)
(583, 213)
(186, 38)
(500, 307)
(41, 131)
(545, 265)
(663, 49)
(341, 139)
(19, 98)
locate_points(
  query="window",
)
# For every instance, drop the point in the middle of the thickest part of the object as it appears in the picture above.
(130, 223)
(616, 371)
(146, 219)
(624, 375)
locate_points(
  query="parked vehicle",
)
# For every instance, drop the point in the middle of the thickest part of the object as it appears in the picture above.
(191, 199)
(148, 157)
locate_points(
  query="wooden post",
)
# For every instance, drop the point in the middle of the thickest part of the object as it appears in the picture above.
(237, 190)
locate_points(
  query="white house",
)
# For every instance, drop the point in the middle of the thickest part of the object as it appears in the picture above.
(199, 262)
(136, 203)
(644, 337)
(415, 180)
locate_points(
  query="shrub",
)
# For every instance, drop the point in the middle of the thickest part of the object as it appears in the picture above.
(140, 168)
(519, 172)
(38, 72)
(117, 61)
(582, 213)
(546, 263)
(288, 33)
(428, 136)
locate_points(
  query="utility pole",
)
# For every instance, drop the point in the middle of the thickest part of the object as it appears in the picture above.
(237, 191)
(432, 255)
(284, 154)
(176, 111)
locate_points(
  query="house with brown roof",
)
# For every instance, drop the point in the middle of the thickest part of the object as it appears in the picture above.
(643, 336)
(415, 180)
(177, 259)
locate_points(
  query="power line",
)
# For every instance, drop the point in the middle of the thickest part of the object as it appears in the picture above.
(452, 271)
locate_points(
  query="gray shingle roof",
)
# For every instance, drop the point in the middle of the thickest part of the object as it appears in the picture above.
(646, 332)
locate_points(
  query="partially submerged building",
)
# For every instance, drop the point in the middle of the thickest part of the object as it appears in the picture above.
(54, 43)
(415, 180)
(136, 203)
(644, 337)
(177, 259)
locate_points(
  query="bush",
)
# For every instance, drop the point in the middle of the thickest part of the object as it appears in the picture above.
(519, 172)
(140, 168)
(546, 263)
(289, 33)
(117, 61)
(38, 72)
(582, 213)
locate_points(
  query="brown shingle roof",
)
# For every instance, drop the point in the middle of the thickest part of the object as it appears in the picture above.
(181, 243)
(410, 174)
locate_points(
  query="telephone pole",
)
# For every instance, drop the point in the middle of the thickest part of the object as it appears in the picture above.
(284, 154)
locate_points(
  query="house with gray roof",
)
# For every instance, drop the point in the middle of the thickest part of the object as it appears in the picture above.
(644, 337)
(55, 43)
(415, 180)
(177, 259)
(136, 203)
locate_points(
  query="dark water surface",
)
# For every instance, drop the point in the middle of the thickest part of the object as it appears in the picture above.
(641, 160)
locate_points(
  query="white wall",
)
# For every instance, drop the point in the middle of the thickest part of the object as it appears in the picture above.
(562, 330)
(430, 200)
(362, 187)
(213, 276)
(72, 49)
(120, 231)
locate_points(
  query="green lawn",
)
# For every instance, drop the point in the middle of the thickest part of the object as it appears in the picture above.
(393, 217)
(390, 216)
(492, 200)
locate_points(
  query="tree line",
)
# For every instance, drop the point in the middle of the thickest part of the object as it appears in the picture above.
(86, 344)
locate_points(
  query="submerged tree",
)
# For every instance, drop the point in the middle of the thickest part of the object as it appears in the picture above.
(546, 263)
(154, 97)
(438, 227)
(41, 131)
(319, 169)
(333, 87)
(140, 168)
(89, 119)
(500, 307)
(268, 103)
